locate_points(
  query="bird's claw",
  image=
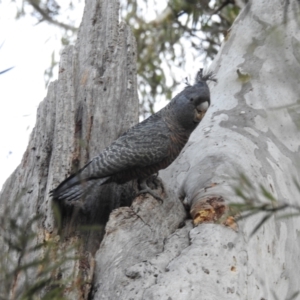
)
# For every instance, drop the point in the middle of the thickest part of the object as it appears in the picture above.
(146, 189)
(153, 194)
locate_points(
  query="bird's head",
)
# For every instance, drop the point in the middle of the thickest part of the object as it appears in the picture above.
(191, 104)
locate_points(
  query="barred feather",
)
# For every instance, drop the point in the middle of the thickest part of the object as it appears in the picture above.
(145, 148)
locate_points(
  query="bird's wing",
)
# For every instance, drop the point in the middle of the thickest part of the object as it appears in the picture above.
(73, 188)
(145, 144)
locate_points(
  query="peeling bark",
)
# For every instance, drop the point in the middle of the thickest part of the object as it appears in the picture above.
(91, 104)
(248, 129)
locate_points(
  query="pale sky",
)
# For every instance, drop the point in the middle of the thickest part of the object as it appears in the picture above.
(28, 48)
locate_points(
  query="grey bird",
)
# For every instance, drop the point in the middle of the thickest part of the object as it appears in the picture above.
(145, 148)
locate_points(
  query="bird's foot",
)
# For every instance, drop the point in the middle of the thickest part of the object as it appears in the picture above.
(155, 182)
(146, 189)
(158, 183)
(153, 194)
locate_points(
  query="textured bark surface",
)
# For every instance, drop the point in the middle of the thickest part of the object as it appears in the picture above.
(92, 103)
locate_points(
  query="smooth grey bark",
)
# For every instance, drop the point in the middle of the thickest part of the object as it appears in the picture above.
(250, 128)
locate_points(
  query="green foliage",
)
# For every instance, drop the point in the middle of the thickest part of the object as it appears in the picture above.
(45, 10)
(32, 262)
(257, 199)
(169, 35)
(182, 31)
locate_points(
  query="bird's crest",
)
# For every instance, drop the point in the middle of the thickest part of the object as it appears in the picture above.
(200, 77)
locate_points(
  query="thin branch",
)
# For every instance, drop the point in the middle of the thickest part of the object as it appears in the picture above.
(224, 4)
(47, 18)
(6, 70)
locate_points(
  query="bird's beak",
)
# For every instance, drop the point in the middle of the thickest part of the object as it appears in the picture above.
(200, 111)
(198, 116)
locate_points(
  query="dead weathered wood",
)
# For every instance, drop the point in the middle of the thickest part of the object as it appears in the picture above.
(150, 250)
(93, 102)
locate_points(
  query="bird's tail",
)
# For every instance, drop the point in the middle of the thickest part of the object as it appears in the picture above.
(74, 188)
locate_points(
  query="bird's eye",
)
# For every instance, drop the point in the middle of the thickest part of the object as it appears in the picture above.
(191, 99)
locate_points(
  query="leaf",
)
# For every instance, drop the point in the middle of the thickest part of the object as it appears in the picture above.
(263, 220)
(291, 215)
(267, 194)
(244, 179)
(36, 287)
(6, 70)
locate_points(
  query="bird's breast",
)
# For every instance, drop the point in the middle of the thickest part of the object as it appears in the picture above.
(178, 140)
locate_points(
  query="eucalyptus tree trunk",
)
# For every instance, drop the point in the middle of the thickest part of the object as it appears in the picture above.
(250, 129)
(152, 250)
